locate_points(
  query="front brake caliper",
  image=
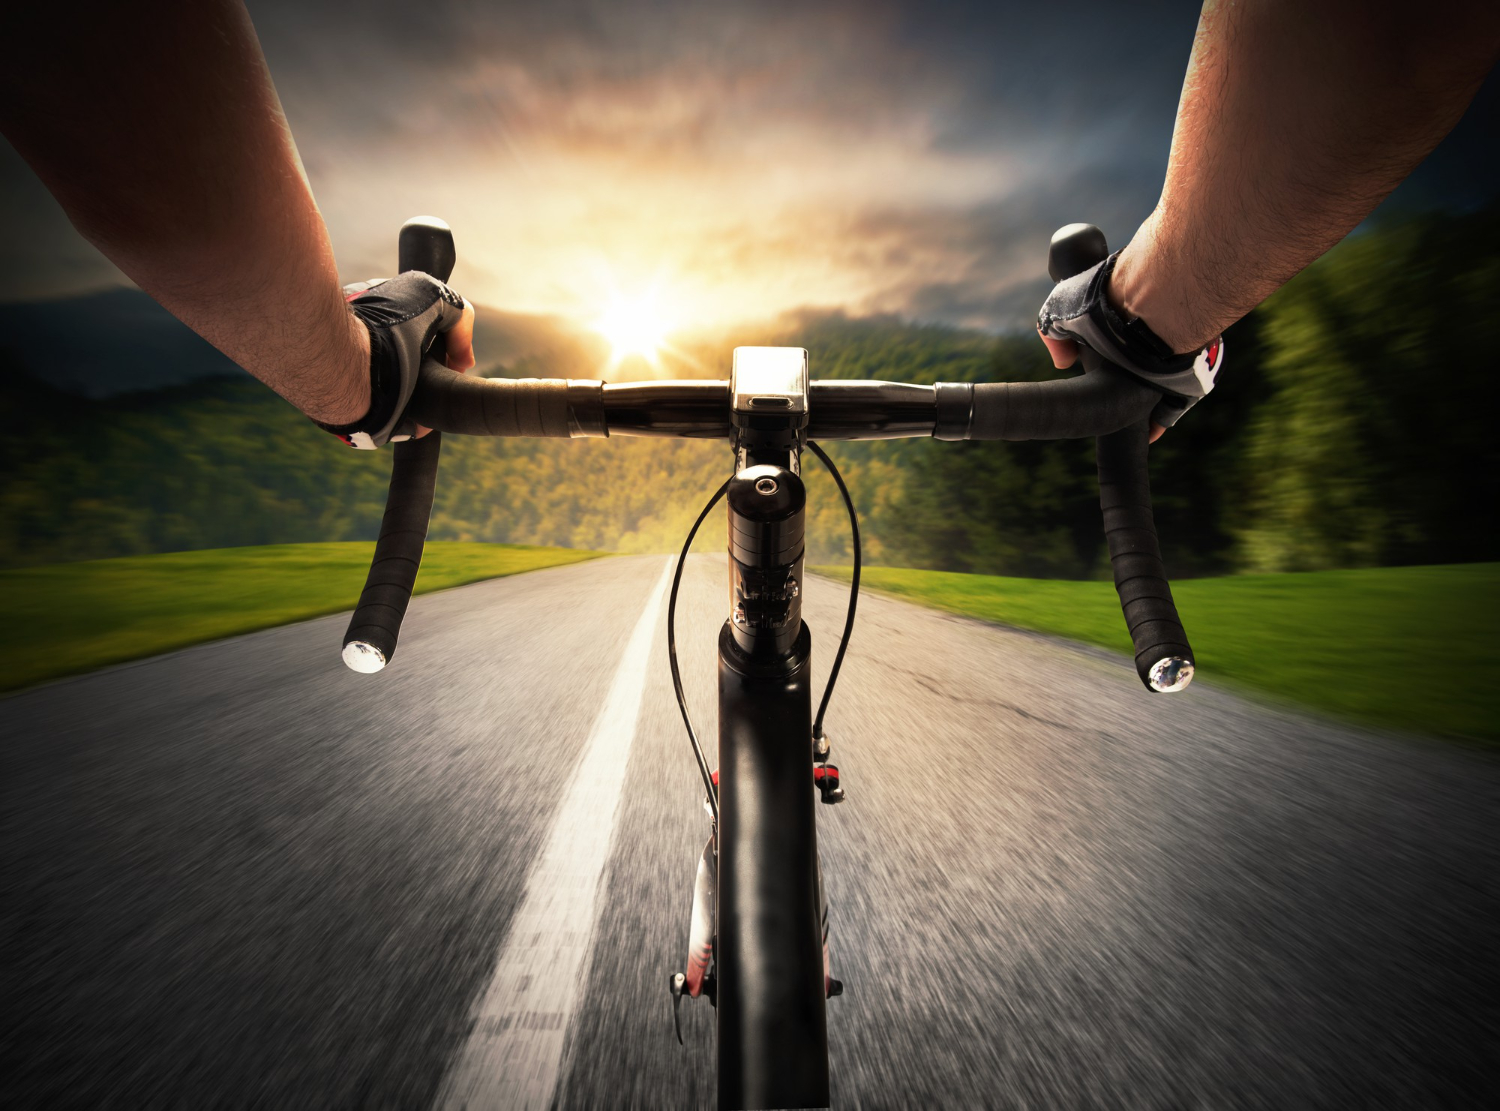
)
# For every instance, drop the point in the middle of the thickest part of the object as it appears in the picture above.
(699, 977)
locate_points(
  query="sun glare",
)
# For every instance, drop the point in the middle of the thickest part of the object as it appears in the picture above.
(634, 326)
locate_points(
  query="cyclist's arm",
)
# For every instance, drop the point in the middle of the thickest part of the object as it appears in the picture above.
(156, 126)
(1297, 118)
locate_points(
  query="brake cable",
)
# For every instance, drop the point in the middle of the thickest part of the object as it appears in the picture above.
(838, 659)
(708, 779)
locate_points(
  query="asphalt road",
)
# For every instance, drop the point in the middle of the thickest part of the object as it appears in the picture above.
(243, 876)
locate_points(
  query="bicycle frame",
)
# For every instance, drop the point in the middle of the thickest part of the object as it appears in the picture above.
(769, 930)
(772, 1028)
(771, 997)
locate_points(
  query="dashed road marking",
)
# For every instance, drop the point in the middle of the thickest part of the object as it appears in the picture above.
(514, 1051)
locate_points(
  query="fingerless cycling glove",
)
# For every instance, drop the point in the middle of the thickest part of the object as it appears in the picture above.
(403, 314)
(1079, 310)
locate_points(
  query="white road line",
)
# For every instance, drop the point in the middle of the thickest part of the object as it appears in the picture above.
(514, 1051)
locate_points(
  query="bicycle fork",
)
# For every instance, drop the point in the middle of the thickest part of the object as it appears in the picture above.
(700, 978)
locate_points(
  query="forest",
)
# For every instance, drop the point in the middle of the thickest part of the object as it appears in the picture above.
(1352, 427)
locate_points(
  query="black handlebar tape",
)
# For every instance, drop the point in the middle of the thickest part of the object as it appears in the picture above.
(1098, 401)
(1163, 658)
(426, 244)
(490, 406)
(370, 640)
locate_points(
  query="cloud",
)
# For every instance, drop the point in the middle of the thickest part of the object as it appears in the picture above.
(753, 157)
(747, 158)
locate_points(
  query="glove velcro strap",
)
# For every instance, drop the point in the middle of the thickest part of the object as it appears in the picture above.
(385, 395)
(1143, 350)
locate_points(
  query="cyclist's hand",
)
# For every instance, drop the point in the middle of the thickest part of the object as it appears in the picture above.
(459, 351)
(1079, 312)
(1064, 354)
(403, 316)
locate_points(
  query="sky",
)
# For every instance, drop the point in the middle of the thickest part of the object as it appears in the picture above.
(733, 160)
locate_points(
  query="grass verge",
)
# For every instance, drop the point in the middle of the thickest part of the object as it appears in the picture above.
(75, 617)
(1414, 648)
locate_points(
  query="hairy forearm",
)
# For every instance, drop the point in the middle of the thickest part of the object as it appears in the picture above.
(157, 128)
(1297, 118)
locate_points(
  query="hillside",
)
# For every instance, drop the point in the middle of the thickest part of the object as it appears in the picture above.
(1350, 429)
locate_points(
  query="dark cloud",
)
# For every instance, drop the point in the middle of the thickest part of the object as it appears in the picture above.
(985, 265)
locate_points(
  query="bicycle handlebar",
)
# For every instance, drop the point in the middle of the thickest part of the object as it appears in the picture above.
(1103, 401)
(1099, 401)
(425, 244)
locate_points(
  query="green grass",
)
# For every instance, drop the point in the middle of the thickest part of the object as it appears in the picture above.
(73, 617)
(1415, 648)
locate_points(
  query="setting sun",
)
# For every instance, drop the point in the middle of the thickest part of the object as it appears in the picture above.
(633, 326)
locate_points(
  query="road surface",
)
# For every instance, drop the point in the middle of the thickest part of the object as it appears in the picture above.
(242, 876)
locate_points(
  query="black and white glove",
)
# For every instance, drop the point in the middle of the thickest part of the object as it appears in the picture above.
(1078, 310)
(403, 314)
